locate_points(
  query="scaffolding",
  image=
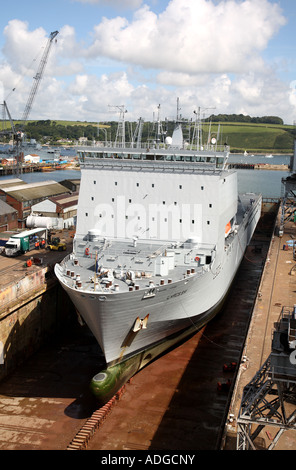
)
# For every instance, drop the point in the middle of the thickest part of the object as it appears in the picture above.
(270, 398)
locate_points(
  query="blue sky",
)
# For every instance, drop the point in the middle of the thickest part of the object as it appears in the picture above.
(230, 56)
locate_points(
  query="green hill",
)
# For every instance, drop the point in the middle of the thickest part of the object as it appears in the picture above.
(256, 138)
(240, 136)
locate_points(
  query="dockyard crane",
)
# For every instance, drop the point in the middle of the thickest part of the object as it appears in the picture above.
(5, 113)
(38, 77)
(18, 136)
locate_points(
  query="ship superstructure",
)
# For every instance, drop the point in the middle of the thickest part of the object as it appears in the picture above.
(161, 231)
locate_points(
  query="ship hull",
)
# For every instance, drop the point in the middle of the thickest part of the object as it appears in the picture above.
(186, 304)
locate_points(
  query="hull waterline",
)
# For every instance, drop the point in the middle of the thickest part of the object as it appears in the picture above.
(106, 383)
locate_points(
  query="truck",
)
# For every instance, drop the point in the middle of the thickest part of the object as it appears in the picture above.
(20, 243)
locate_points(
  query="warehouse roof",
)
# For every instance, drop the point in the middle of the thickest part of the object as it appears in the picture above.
(11, 182)
(33, 191)
(66, 200)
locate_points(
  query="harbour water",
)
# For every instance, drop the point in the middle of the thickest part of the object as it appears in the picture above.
(266, 182)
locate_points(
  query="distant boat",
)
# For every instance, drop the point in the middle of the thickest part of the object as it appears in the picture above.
(245, 153)
(47, 168)
(269, 155)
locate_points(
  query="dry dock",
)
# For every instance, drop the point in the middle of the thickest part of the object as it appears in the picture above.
(172, 404)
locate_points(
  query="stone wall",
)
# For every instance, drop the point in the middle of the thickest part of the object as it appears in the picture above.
(33, 311)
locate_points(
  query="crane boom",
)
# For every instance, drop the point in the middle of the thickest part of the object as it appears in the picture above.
(38, 77)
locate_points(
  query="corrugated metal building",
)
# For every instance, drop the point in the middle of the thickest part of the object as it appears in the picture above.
(23, 196)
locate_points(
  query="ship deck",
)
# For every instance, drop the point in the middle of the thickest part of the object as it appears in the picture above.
(92, 267)
(120, 257)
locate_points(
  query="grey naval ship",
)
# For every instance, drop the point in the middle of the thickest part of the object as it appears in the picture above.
(161, 231)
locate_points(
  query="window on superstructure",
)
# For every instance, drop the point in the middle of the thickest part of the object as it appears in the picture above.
(115, 183)
(92, 198)
(163, 202)
(180, 221)
(210, 205)
(129, 200)
(137, 184)
(86, 214)
(180, 186)
(112, 199)
(192, 221)
(175, 203)
(208, 222)
(152, 185)
(95, 182)
(202, 188)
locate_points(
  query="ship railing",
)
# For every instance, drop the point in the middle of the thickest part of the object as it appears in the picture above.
(65, 260)
(173, 166)
(149, 146)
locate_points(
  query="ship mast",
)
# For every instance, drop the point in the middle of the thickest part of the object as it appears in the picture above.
(120, 134)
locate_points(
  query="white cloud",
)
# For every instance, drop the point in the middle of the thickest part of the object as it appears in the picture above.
(181, 79)
(20, 47)
(192, 36)
(206, 52)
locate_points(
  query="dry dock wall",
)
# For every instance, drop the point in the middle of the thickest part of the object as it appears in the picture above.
(32, 310)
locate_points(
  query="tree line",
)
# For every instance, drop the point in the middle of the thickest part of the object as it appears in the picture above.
(242, 118)
(50, 131)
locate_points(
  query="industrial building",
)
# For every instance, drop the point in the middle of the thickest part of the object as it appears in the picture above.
(57, 212)
(22, 196)
(73, 184)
